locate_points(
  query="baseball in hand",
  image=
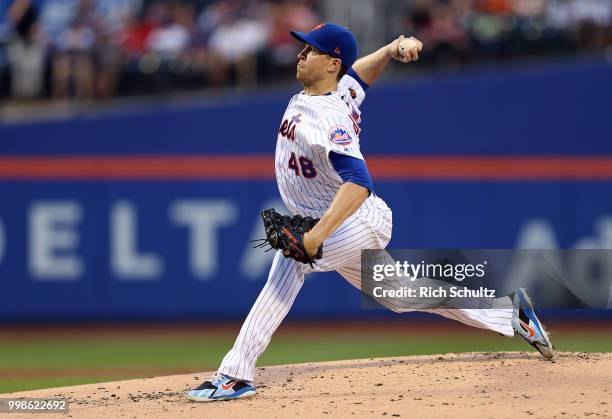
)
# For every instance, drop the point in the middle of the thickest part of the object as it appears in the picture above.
(408, 44)
(408, 49)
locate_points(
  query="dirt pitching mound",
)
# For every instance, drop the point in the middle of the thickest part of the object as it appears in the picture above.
(505, 384)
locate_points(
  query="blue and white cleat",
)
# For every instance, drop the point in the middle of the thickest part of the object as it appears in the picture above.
(221, 387)
(526, 323)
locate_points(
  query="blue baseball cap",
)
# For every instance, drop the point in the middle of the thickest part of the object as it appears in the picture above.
(332, 39)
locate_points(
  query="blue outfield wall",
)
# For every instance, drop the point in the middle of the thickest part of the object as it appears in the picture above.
(120, 249)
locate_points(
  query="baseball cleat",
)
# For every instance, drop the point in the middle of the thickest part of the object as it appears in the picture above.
(221, 387)
(526, 323)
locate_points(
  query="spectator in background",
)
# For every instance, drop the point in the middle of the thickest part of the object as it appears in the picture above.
(115, 14)
(107, 64)
(490, 28)
(134, 35)
(239, 34)
(24, 52)
(73, 60)
(593, 19)
(170, 45)
(449, 37)
(112, 16)
(284, 16)
(530, 35)
(137, 63)
(56, 17)
(26, 55)
(170, 37)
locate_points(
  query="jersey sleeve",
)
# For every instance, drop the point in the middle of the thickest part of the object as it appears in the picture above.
(337, 133)
(352, 88)
(352, 170)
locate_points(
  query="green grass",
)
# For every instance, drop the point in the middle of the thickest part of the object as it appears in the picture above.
(41, 363)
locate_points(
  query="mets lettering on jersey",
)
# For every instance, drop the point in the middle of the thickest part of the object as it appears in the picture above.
(287, 128)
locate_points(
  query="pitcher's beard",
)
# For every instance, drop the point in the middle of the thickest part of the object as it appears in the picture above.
(306, 79)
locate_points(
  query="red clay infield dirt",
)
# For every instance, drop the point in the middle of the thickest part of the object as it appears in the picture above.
(499, 384)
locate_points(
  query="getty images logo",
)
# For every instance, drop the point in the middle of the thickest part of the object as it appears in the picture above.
(413, 271)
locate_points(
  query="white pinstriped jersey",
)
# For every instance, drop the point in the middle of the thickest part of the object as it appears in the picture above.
(311, 127)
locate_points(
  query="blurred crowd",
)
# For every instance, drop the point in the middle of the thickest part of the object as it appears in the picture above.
(459, 32)
(88, 49)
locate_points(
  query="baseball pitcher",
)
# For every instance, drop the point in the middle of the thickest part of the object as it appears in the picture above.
(324, 181)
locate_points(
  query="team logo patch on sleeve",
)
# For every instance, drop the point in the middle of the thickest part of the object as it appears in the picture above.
(339, 135)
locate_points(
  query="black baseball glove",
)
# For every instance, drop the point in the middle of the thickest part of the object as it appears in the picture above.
(286, 233)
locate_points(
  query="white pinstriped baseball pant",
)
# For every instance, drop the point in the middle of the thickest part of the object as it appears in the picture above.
(342, 251)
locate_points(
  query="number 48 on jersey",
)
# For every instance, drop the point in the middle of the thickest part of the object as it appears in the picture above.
(302, 166)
